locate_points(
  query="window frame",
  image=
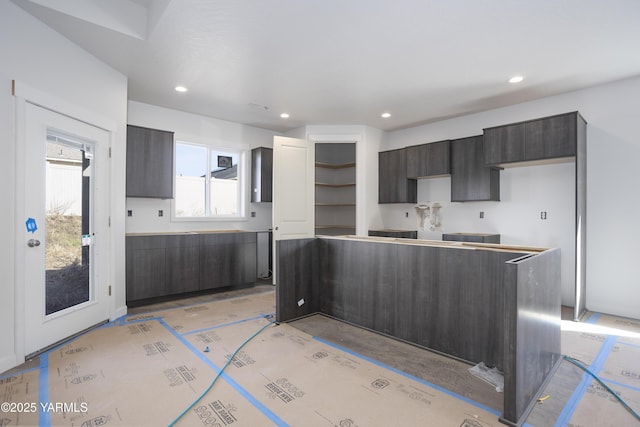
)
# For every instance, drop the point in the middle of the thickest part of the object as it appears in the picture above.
(242, 176)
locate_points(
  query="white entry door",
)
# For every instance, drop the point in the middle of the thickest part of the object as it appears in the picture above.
(65, 203)
(293, 190)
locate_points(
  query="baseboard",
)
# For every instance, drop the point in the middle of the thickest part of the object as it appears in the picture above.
(8, 362)
(121, 311)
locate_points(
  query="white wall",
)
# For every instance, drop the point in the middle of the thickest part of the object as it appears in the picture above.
(88, 86)
(613, 151)
(202, 130)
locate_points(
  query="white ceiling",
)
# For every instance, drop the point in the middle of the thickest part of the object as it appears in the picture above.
(347, 61)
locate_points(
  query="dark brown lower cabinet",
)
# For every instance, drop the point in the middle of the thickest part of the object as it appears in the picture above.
(227, 259)
(172, 264)
(401, 234)
(145, 271)
(471, 237)
(182, 262)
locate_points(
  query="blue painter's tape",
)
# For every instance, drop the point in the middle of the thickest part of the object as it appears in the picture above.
(593, 319)
(44, 419)
(404, 374)
(629, 344)
(581, 389)
(31, 225)
(16, 373)
(262, 408)
(618, 383)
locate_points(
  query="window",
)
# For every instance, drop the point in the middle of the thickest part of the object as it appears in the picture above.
(208, 181)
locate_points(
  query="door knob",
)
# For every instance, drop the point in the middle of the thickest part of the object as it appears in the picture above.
(32, 243)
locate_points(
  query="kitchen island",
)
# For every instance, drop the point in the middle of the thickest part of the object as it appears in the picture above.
(488, 303)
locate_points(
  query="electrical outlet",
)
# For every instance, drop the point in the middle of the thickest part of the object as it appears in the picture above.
(406, 214)
(160, 213)
(543, 215)
(253, 214)
(129, 212)
(481, 214)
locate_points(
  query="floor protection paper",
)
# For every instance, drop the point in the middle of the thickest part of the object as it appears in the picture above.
(305, 381)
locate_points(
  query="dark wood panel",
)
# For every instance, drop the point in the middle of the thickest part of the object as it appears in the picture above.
(217, 238)
(434, 297)
(162, 265)
(432, 159)
(400, 234)
(227, 259)
(581, 220)
(449, 297)
(182, 269)
(540, 139)
(145, 273)
(471, 179)
(551, 137)
(471, 237)
(393, 184)
(504, 144)
(298, 265)
(421, 314)
(472, 304)
(146, 242)
(359, 284)
(149, 163)
(261, 174)
(532, 343)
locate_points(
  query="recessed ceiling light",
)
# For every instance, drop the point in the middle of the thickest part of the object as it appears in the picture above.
(385, 115)
(181, 89)
(284, 115)
(516, 79)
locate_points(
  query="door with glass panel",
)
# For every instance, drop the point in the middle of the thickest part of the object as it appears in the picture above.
(66, 255)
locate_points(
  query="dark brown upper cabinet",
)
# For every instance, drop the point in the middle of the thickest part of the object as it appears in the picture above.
(471, 179)
(534, 140)
(428, 160)
(149, 163)
(261, 174)
(393, 184)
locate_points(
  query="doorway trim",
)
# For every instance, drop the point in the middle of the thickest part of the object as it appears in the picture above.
(361, 200)
(23, 94)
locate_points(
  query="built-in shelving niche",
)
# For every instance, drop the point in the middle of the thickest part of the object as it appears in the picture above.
(335, 178)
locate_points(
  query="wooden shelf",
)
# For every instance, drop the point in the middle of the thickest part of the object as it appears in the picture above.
(335, 226)
(335, 166)
(335, 204)
(325, 184)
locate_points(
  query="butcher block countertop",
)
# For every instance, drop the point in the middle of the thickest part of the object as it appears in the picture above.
(443, 243)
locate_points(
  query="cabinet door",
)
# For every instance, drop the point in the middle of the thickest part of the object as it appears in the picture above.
(471, 180)
(428, 160)
(145, 271)
(149, 163)
(401, 234)
(551, 137)
(261, 174)
(182, 270)
(227, 259)
(393, 185)
(504, 144)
